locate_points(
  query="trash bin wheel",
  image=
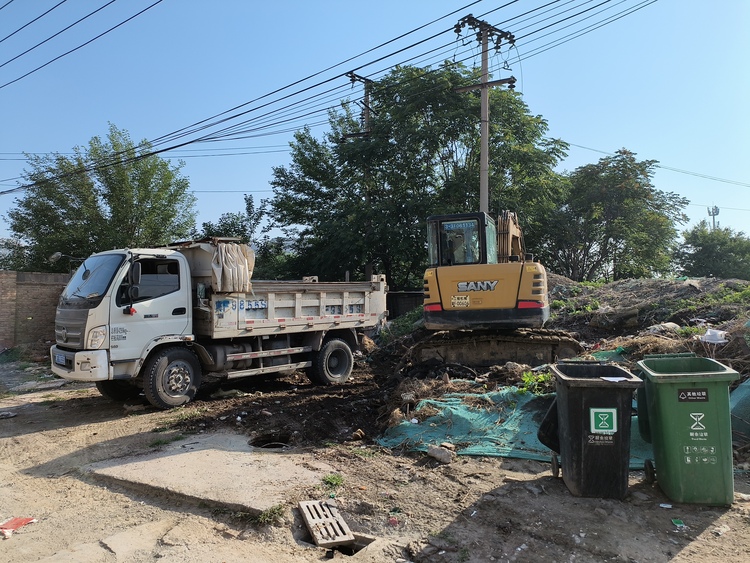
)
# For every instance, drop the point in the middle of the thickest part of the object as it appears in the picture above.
(555, 467)
(648, 467)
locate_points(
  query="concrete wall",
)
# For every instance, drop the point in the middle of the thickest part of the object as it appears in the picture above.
(27, 306)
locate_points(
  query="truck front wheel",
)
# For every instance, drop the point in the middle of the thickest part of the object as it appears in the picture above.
(332, 364)
(171, 377)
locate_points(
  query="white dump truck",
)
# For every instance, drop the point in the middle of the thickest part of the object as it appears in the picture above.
(164, 321)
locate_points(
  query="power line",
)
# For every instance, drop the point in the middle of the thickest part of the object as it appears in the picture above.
(681, 171)
(58, 33)
(32, 21)
(81, 46)
(236, 130)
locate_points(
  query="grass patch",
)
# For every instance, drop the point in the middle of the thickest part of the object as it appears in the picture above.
(270, 516)
(165, 441)
(401, 326)
(333, 481)
(538, 383)
(182, 415)
(364, 453)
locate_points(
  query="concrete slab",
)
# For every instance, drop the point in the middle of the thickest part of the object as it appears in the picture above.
(217, 469)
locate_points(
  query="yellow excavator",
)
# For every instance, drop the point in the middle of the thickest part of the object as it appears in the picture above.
(486, 296)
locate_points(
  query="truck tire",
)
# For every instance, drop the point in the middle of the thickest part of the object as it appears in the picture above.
(171, 377)
(118, 390)
(332, 364)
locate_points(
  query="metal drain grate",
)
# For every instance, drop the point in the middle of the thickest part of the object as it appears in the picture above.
(327, 527)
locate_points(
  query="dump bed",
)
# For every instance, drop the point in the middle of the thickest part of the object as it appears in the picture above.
(228, 304)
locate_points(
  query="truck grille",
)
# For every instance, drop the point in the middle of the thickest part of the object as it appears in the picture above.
(70, 326)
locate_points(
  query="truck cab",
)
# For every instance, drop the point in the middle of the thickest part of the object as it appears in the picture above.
(107, 322)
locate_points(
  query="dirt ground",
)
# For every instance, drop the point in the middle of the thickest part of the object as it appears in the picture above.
(411, 506)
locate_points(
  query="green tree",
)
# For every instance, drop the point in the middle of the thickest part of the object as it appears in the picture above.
(613, 223)
(355, 198)
(719, 253)
(244, 226)
(111, 195)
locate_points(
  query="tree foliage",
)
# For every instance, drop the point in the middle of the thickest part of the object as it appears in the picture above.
(109, 195)
(719, 253)
(244, 226)
(613, 223)
(355, 198)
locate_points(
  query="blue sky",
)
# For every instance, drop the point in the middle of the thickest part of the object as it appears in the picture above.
(669, 81)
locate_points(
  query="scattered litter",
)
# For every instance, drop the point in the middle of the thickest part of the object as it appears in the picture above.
(264, 412)
(12, 524)
(327, 527)
(358, 434)
(665, 505)
(7, 414)
(663, 328)
(721, 530)
(677, 522)
(414, 421)
(714, 336)
(221, 394)
(741, 496)
(443, 455)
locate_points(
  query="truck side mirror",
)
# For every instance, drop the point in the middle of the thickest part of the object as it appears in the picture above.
(135, 273)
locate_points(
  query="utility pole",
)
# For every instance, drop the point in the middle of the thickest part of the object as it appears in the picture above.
(365, 133)
(713, 212)
(485, 32)
(365, 105)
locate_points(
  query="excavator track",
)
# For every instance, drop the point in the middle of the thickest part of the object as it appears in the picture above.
(485, 348)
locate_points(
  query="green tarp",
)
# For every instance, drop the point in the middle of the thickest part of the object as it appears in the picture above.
(503, 423)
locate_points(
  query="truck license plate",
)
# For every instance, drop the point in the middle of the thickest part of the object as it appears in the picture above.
(60, 359)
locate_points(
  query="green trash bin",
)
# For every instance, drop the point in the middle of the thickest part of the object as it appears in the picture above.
(689, 426)
(594, 409)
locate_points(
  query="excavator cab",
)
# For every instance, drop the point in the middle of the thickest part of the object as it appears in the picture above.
(479, 276)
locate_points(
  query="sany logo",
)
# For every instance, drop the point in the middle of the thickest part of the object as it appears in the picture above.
(477, 286)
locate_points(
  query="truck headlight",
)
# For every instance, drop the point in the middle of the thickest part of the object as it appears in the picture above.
(96, 338)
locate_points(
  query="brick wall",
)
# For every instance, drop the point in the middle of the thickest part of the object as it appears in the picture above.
(27, 306)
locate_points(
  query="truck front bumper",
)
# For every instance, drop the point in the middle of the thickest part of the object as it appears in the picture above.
(87, 365)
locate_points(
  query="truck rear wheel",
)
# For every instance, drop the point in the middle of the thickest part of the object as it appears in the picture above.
(171, 378)
(118, 390)
(332, 364)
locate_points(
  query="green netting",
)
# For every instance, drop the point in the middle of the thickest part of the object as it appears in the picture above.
(503, 423)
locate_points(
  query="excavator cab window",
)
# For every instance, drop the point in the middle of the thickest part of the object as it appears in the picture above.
(460, 239)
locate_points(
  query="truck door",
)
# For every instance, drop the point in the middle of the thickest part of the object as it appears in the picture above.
(160, 309)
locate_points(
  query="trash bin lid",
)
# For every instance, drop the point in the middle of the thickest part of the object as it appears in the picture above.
(686, 369)
(594, 374)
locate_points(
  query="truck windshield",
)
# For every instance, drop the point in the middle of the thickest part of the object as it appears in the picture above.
(92, 279)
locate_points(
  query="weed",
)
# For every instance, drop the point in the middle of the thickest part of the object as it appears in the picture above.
(463, 554)
(401, 326)
(364, 452)
(537, 383)
(165, 441)
(185, 414)
(333, 480)
(270, 516)
(688, 331)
